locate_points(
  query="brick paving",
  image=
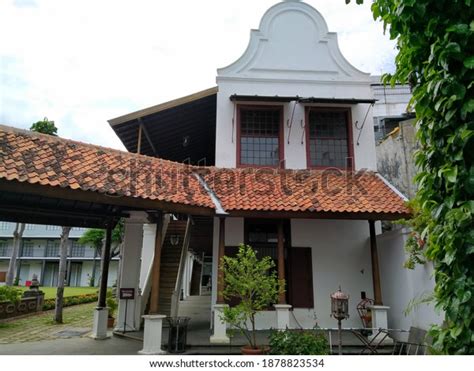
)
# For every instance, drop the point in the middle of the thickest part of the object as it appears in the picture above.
(42, 327)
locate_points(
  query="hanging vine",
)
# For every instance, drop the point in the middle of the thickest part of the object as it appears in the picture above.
(435, 56)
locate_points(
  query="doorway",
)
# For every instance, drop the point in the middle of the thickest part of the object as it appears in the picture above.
(300, 277)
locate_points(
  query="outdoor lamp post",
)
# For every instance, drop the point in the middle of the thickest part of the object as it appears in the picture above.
(340, 311)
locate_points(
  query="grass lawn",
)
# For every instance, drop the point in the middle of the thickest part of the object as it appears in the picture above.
(50, 292)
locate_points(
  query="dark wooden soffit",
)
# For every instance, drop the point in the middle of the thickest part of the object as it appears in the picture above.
(317, 215)
(35, 193)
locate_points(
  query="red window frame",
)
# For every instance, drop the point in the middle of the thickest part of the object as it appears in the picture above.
(347, 111)
(281, 153)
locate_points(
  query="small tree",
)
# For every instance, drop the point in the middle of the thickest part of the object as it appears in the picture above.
(45, 127)
(58, 312)
(17, 238)
(95, 237)
(253, 282)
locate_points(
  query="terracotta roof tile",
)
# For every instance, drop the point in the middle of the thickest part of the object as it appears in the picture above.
(35, 158)
(329, 190)
(51, 161)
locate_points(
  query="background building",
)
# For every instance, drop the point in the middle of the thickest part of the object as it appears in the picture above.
(39, 254)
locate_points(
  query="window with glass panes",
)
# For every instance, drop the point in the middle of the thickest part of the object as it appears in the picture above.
(3, 248)
(328, 138)
(77, 250)
(27, 249)
(52, 249)
(260, 136)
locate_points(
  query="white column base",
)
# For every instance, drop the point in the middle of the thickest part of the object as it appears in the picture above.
(220, 327)
(282, 316)
(152, 335)
(379, 321)
(99, 326)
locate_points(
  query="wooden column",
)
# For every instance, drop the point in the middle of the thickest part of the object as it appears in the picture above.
(221, 253)
(105, 266)
(139, 143)
(281, 259)
(155, 274)
(375, 264)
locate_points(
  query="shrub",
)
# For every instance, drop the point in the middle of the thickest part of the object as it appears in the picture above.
(70, 300)
(254, 283)
(298, 342)
(111, 303)
(10, 293)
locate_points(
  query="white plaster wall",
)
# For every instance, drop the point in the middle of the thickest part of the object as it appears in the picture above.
(87, 270)
(341, 257)
(295, 150)
(234, 235)
(401, 285)
(148, 251)
(292, 54)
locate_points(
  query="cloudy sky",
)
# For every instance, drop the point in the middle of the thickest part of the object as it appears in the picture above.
(82, 62)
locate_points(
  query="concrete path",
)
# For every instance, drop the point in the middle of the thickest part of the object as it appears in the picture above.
(37, 327)
(74, 346)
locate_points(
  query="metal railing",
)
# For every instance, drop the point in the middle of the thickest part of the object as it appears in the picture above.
(182, 263)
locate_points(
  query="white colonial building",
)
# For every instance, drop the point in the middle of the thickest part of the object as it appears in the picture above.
(293, 102)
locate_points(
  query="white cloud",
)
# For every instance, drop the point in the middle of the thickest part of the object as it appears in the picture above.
(82, 62)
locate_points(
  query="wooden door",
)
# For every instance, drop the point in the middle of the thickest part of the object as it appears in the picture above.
(300, 277)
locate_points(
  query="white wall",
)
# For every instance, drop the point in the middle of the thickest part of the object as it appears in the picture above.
(293, 54)
(234, 235)
(401, 285)
(341, 257)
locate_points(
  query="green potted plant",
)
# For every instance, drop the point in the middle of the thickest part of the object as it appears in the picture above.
(112, 305)
(254, 284)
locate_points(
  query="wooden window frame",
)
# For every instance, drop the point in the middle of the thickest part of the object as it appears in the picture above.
(350, 140)
(281, 150)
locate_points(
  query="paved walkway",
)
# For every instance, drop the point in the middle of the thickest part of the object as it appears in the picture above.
(77, 323)
(74, 346)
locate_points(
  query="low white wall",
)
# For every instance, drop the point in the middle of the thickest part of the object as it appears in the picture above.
(401, 285)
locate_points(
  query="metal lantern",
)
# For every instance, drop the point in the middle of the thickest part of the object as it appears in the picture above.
(339, 305)
(340, 311)
(174, 239)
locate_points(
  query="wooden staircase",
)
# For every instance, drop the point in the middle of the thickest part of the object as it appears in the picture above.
(170, 258)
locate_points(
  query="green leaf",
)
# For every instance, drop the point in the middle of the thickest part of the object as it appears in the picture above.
(469, 184)
(458, 28)
(468, 107)
(469, 62)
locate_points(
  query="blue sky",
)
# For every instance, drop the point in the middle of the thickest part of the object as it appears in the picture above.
(82, 62)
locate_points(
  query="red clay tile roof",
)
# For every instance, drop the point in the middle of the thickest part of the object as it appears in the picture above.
(47, 160)
(331, 191)
(51, 161)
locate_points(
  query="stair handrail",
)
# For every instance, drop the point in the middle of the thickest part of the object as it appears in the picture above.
(145, 292)
(182, 263)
